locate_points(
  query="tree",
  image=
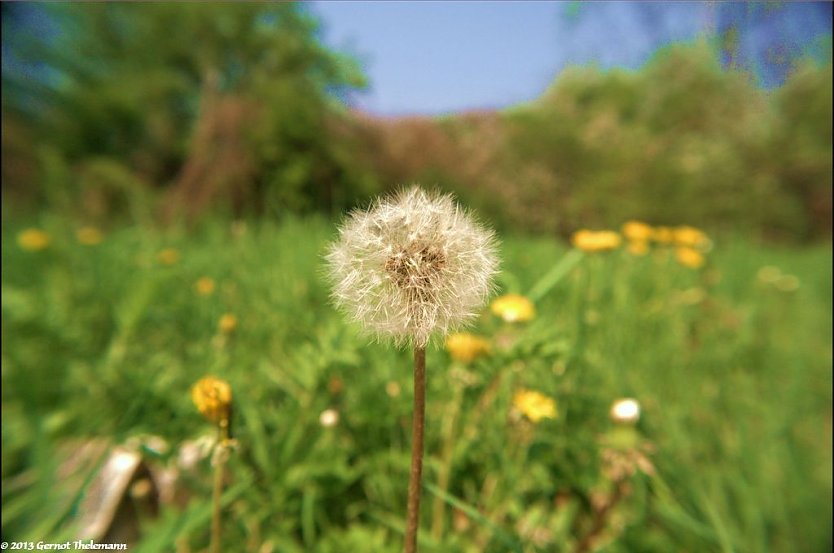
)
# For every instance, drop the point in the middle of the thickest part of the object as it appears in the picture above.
(213, 101)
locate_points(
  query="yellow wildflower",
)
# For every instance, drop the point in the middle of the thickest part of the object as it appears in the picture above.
(690, 237)
(514, 308)
(769, 274)
(168, 256)
(638, 247)
(89, 236)
(227, 323)
(690, 257)
(213, 398)
(663, 235)
(33, 240)
(534, 405)
(787, 283)
(637, 231)
(204, 286)
(596, 240)
(466, 347)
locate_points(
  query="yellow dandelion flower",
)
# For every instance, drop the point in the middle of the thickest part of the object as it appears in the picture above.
(787, 283)
(33, 240)
(227, 323)
(213, 398)
(663, 235)
(596, 240)
(466, 347)
(690, 237)
(637, 231)
(89, 236)
(638, 247)
(514, 308)
(392, 388)
(769, 274)
(204, 286)
(690, 257)
(168, 256)
(534, 405)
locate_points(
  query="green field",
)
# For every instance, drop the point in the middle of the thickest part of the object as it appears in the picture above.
(731, 364)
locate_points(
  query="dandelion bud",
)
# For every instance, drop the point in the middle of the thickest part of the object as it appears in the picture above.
(412, 265)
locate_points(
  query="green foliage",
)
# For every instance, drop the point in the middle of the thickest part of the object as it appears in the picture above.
(679, 140)
(116, 82)
(731, 365)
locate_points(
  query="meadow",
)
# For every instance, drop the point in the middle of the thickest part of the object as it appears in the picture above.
(106, 330)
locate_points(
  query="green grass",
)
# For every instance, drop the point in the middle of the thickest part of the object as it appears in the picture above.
(733, 375)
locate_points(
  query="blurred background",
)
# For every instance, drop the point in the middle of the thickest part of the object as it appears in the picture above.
(172, 174)
(717, 114)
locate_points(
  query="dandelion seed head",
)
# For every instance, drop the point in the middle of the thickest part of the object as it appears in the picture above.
(329, 418)
(414, 264)
(625, 411)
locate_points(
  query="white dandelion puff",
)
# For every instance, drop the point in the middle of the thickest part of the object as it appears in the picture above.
(414, 264)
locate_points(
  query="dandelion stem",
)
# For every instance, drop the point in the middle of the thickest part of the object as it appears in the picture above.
(418, 426)
(219, 463)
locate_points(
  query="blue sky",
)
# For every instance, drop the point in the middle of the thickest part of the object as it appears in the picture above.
(440, 57)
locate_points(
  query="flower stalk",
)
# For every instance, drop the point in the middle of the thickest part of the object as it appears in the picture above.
(416, 472)
(413, 265)
(217, 491)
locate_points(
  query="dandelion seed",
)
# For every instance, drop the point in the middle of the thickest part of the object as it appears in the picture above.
(534, 405)
(33, 240)
(625, 411)
(513, 308)
(413, 265)
(466, 347)
(89, 236)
